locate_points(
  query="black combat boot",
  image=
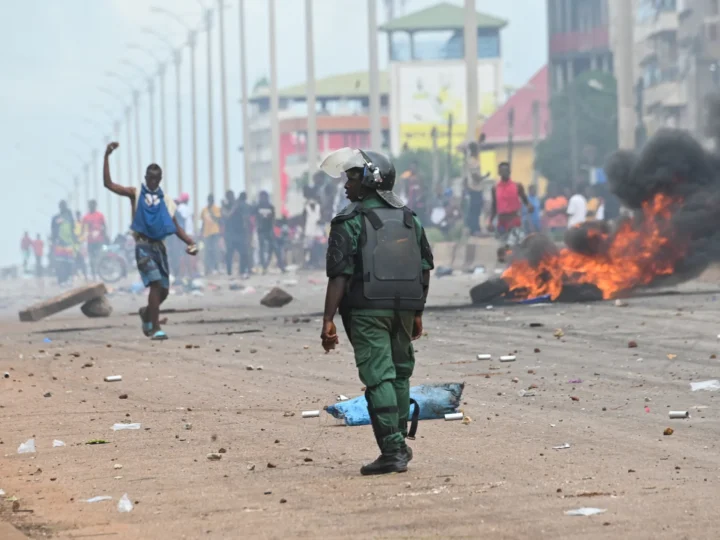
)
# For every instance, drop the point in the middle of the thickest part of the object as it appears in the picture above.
(386, 464)
(407, 452)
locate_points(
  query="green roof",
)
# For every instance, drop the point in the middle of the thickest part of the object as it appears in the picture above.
(443, 16)
(348, 85)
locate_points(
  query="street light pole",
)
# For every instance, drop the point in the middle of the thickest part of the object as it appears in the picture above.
(161, 70)
(374, 78)
(274, 111)
(249, 187)
(211, 138)
(192, 43)
(223, 97)
(312, 151)
(471, 69)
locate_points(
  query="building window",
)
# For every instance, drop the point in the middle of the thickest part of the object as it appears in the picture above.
(713, 7)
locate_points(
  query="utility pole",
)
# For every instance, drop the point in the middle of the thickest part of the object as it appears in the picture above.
(121, 200)
(312, 138)
(374, 79)
(536, 137)
(274, 111)
(211, 138)
(471, 69)
(163, 120)
(136, 102)
(223, 97)
(151, 97)
(177, 59)
(249, 188)
(621, 18)
(192, 43)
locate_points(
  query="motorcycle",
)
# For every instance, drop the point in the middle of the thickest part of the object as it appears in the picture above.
(112, 265)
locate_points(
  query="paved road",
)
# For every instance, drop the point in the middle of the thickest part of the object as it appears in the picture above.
(496, 477)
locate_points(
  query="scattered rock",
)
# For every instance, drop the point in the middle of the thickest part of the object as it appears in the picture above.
(620, 303)
(214, 456)
(271, 466)
(253, 351)
(123, 396)
(47, 394)
(287, 414)
(117, 466)
(222, 451)
(306, 449)
(97, 307)
(283, 501)
(88, 365)
(559, 333)
(668, 431)
(308, 460)
(575, 398)
(632, 344)
(251, 467)
(276, 298)
(250, 368)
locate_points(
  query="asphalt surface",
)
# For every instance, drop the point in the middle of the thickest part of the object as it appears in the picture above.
(281, 476)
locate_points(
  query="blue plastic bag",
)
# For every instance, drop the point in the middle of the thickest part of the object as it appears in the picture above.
(434, 400)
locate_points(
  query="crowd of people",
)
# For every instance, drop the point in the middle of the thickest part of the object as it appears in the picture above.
(74, 242)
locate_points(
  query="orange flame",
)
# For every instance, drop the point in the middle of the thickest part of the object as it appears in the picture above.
(636, 255)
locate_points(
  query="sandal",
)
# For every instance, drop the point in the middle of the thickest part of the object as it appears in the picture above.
(159, 336)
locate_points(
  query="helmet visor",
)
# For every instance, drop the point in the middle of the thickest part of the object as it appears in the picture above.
(342, 160)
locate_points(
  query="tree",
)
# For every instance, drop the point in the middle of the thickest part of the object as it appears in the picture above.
(592, 100)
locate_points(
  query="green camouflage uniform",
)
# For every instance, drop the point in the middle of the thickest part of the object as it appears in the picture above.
(382, 342)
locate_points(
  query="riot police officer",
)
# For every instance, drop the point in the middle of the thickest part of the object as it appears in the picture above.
(378, 265)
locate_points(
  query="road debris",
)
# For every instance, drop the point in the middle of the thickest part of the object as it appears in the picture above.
(710, 386)
(28, 447)
(484, 356)
(6, 375)
(562, 446)
(214, 456)
(679, 414)
(621, 303)
(276, 298)
(668, 431)
(672, 356)
(558, 333)
(113, 378)
(97, 441)
(97, 308)
(124, 504)
(57, 443)
(454, 416)
(310, 414)
(62, 302)
(508, 358)
(632, 344)
(99, 498)
(575, 398)
(575, 381)
(123, 427)
(585, 512)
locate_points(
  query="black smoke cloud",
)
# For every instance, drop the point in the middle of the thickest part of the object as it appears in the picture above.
(676, 164)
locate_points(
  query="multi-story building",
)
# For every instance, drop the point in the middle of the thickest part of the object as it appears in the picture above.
(578, 35)
(677, 47)
(342, 120)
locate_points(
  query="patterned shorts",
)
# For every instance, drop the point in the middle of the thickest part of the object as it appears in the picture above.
(152, 263)
(510, 237)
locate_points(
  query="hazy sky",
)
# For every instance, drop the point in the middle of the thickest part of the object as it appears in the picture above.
(56, 53)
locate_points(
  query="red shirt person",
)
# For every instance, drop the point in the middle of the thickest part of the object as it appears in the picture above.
(507, 200)
(95, 232)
